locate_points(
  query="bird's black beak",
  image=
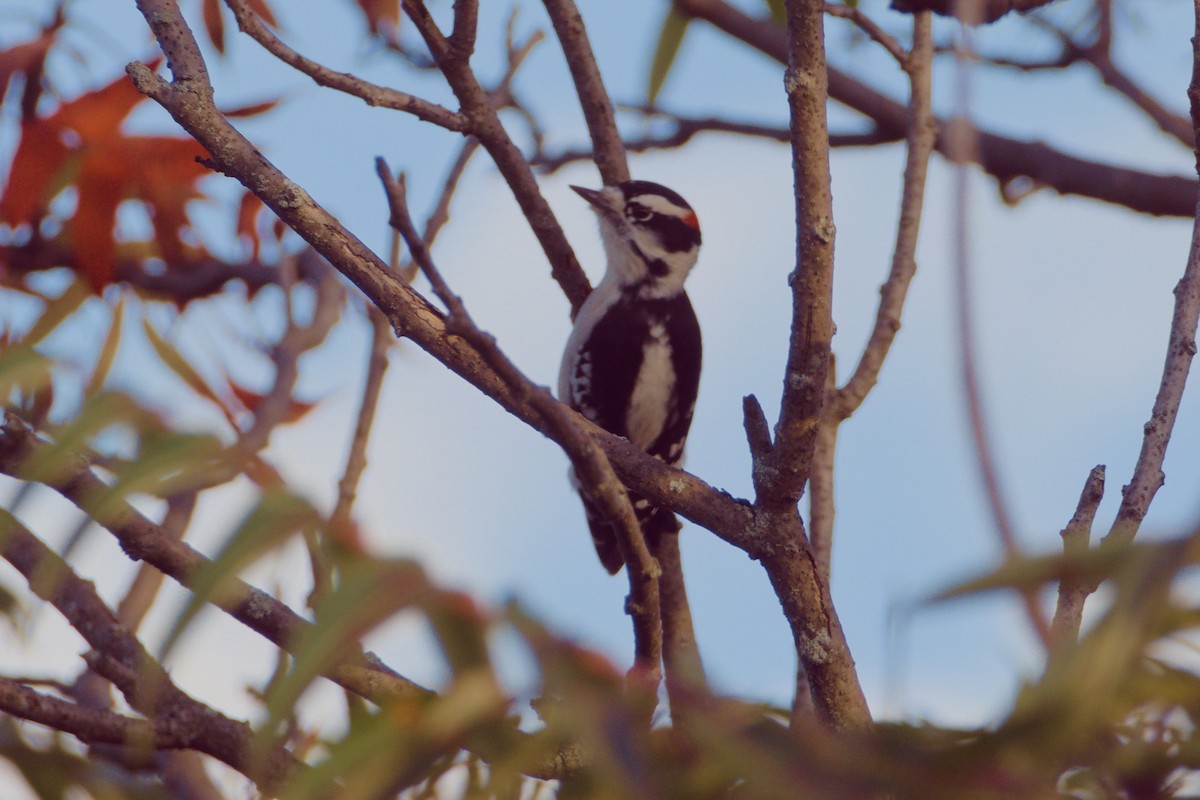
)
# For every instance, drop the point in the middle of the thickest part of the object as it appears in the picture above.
(596, 198)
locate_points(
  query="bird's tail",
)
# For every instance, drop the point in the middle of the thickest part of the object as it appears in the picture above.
(655, 523)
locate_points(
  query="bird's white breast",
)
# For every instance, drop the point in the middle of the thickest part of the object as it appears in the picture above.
(651, 400)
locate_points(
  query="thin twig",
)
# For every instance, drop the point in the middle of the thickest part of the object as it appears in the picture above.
(871, 28)
(356, 459)
(590, 464)
(920, 134)
(1076, 537)
(368, 92)
(1099, 56)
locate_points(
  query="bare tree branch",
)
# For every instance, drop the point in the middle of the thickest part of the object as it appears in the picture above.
(486, 126)
(1072, 594)
(920, 135)
(782, 468)
(607, 147)
(1004, 158)
(370, 93)
(870, 28)
(356, 460)
(90, 725)
(1181, 348)
(121, 658)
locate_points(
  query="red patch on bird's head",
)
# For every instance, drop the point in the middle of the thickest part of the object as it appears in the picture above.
(690, 220)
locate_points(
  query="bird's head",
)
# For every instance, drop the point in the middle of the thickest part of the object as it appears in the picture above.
(650, 233)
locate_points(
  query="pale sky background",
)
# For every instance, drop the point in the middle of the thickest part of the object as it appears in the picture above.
(1073, 299)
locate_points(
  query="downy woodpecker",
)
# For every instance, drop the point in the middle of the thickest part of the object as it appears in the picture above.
(632, 363)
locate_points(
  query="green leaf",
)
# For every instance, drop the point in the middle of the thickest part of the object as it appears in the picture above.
(21, 368)
(100, 413)
(368, 592)
(276, 517)
(108, 352)
(778, 12)
(56, 311)
(184, 370)
(165, 464)
(669, 40)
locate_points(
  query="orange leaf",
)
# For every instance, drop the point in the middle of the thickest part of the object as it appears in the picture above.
(162, 171)
(214, 25)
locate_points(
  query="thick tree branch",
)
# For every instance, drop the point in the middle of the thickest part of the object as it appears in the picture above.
(90, 725)
(782, 466)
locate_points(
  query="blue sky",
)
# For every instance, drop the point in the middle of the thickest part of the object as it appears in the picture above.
(1073, 301)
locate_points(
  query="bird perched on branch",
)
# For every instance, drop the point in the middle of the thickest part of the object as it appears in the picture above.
(632, 362)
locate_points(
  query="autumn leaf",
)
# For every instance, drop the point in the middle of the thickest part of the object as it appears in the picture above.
(81, 144)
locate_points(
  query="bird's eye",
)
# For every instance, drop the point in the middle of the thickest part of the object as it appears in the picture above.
(638, 212)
